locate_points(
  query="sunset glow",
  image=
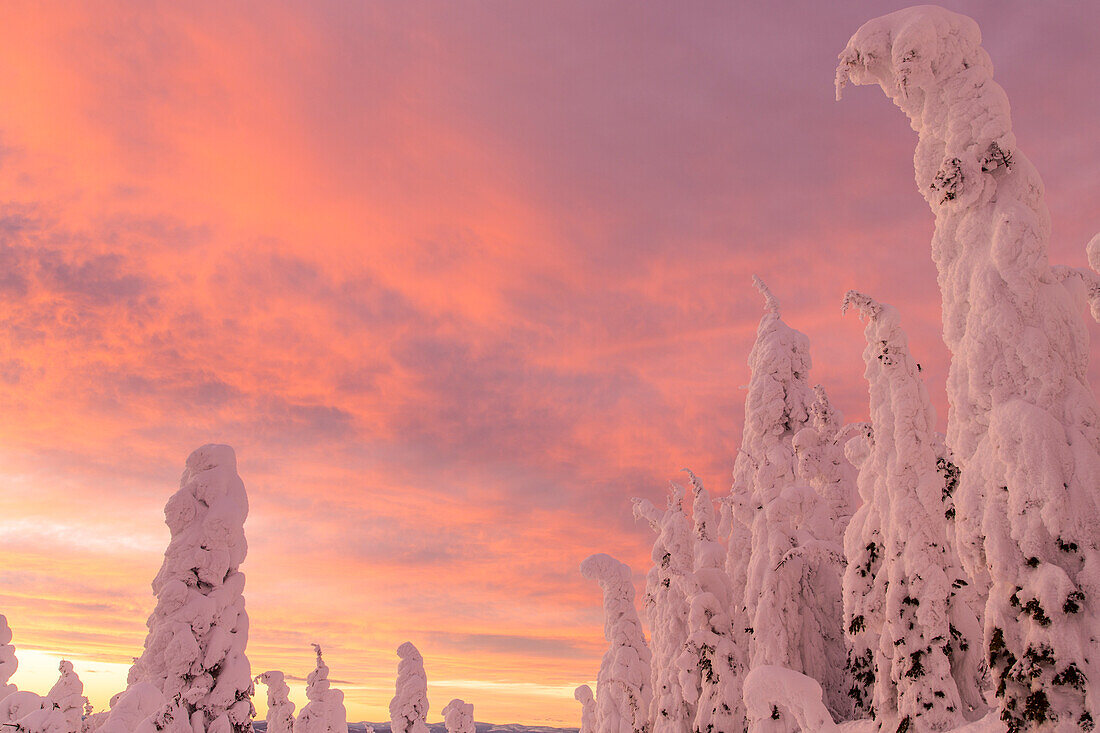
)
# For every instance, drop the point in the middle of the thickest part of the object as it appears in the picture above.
(456, 281)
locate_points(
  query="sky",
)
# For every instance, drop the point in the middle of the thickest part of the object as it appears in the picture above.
(456, 281)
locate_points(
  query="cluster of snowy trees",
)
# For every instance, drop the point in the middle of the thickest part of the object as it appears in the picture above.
(61, 710)
(881, 576)
(866, 576)
(193, 675)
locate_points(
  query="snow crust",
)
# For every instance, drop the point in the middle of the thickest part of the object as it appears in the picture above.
(1023, 424)
(777, 697)
(409, 707)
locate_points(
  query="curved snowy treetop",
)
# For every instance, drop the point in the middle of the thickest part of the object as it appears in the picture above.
(408, 651)
(583, 694)
(206, 517)
(930, 62)
(614, 578)
(771, 304)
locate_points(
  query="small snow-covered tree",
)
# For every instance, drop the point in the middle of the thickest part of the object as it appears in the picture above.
(280, 710)
(914, 580)
(1024, 423)
(623, 693)
(324, 713)
(409, 707)
(711, 663)
(195, 649)
(458, 717)
(666, 608)
(66, 700)
(87, 723)
(584, 696)
(9, 663)
(792, 592)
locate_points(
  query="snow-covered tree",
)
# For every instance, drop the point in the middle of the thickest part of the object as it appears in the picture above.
(915, 578)
(792, 592)
(195, 649)
(324, 713)
(87, 725)
(67, 700)
(458, 717)
(584, 696)
(409, 707)
(623, 693)
(9, 663)
(280, 710)
(711, 664)
(665, 607)
(1024, 424)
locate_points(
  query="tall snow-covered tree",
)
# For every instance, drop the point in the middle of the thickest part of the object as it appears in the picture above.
(280, 710)
(792, 593)
(711, 663)
(1024, 424)
(195, 649)
(409, 707)
(584, 696)
(665, 607)
(912, 611)
(458, 717)
(9, 663)
(324, 713)
(864, 584)
(623, 693)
